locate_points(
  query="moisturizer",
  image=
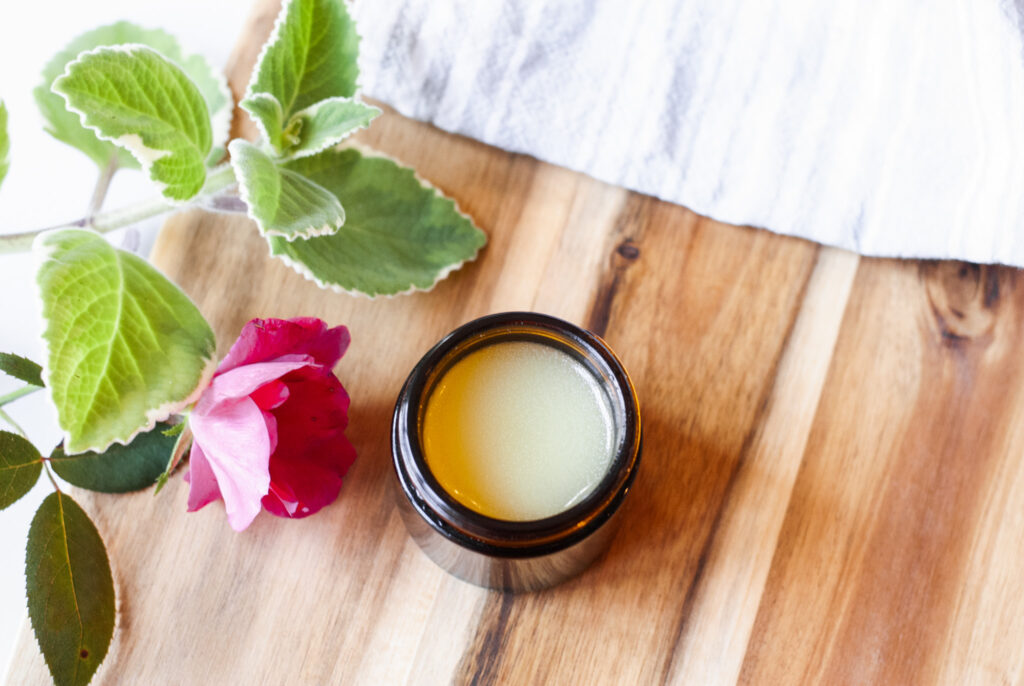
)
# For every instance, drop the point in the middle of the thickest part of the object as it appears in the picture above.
(518, 431)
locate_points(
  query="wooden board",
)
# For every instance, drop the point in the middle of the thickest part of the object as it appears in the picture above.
(832, 489)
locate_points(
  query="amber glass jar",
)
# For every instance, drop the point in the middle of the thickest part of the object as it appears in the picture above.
(497, 553)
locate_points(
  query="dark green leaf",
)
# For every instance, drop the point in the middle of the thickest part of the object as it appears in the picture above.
(21, 368)
(70, 590)
(20, 464)
(121, 468)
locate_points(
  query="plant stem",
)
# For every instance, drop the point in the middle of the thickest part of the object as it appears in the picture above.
(108, 221)
(217, 180)
(46, 468)
(99, 193)
(7, 418)
(20, 393)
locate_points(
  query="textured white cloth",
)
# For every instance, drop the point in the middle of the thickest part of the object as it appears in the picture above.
(889, 127)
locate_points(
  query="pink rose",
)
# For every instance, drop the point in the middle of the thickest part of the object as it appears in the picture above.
(269, 430)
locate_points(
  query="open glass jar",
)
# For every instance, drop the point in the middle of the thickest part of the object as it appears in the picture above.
(514, 554)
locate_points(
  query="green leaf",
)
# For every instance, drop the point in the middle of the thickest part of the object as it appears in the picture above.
(311, 130)
(182, 443)
(327, 123)
(311, 56)
(161, 481)
(265, 110)
(174, 429)
(133, 96)
(21, 368)
(20, 465)
(66, 126)
(70, 590)
(282, 202)
(399, 234)
(125, 347)
(5, 143)
(121, 468)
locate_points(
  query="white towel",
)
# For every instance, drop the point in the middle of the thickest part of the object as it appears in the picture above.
(889, 127)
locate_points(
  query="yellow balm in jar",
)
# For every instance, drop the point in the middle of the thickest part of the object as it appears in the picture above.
(515, 440)
(518, 431)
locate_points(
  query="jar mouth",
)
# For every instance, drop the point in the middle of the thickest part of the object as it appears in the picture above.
(500, 537)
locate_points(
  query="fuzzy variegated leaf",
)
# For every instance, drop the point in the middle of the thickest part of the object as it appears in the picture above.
(327, 123)
(282, 202)
(67, 127)
(399, 234)
(265, 110)
(311, 130)
(126, 348)
(138, 99)
(311, 56)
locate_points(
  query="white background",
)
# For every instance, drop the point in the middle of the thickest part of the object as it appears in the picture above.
(50, 183)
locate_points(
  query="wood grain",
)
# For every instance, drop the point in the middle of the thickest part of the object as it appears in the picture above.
(832, 488)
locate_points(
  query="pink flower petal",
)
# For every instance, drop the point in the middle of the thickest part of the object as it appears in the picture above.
(202, 484)
(234, 438)
(265, 339)
(283, 503)
(312, 453)
(240, 382)
(270, 395)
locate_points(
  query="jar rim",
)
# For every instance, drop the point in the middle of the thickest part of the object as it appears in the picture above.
(499, 537)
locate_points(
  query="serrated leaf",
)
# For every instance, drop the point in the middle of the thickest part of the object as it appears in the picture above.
(399, 234)
(125, 347)
(66, 126)
(327, 123)
(121, 468)
(311, 56)
(311, 130)
(21, 368)
(5, 143)
(70, 590)
(135, 97)
(265, 110)
(20, 465)
(282, 202)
